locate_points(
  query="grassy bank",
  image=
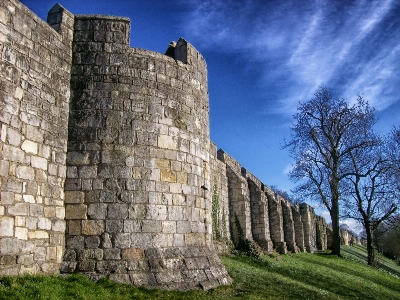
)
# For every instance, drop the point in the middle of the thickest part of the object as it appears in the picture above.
(300, 276)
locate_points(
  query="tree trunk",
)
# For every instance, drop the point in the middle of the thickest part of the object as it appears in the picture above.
(370, 247)
(335, 228)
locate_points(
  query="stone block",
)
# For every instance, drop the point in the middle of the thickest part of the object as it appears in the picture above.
(122, 240)
(92, 227)
(51, 253)
(60, 212)
(133, 254)
(78, 211)
(36, 210)
(7, 198)
(6, 226)
(49, 212)
(40, 176)
(44, 223)
(13, 137)
(78, 158)
(29, 198)
(169, 227)
(74, 197)
(25, 172)
(117, 211)
(38, 234)
(97, 211)
(31, 223)
(39, 162)
(151, 226)
(58, 225)
(178, 199)
(132, 226)
(175, 213)
(85, 254)
(114, 226)
(19, 221)
(112, 253)
(25, 259)
(168, 176)
(72, 184)
(75, 242)
(92, 242)
(122, 172)
(156, 212)
(162, 163)
(30, 147)
(19, 209)
(74, 227)
(183, 227)
(88, 172)
(11, 153)
(86, 266)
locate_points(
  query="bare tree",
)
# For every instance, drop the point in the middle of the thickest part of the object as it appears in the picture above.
(325, 132)
(372, 196)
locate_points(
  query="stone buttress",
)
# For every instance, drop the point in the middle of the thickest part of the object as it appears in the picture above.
(259, 212)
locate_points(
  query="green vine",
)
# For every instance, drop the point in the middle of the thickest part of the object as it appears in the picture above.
(215, 213)
(224, 228)
(244, 245)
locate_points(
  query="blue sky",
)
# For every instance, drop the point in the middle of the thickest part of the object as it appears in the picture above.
(264, 57)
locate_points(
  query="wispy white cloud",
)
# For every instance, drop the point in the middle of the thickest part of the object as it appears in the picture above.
(350, 46)
(287, 169)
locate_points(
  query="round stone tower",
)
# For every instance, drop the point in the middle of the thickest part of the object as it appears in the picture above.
(137, 193)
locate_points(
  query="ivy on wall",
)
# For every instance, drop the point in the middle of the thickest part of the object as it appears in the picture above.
(215, 214)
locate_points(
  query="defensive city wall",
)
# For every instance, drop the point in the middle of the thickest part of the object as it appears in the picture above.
(106, 164)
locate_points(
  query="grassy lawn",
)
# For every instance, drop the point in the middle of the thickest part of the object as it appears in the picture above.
(299, 276)
(358, 253)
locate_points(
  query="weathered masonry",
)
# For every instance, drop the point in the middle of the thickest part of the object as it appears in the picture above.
(106, 164)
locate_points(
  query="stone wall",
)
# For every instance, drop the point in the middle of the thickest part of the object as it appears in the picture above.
(265, 218)
(35, 64)
(106, 163)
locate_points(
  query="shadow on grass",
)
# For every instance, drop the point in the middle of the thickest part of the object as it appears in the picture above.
(363, 272)
(384, 263)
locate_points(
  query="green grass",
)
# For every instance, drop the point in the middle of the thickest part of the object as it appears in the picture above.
(358, 253)
(294, 276)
